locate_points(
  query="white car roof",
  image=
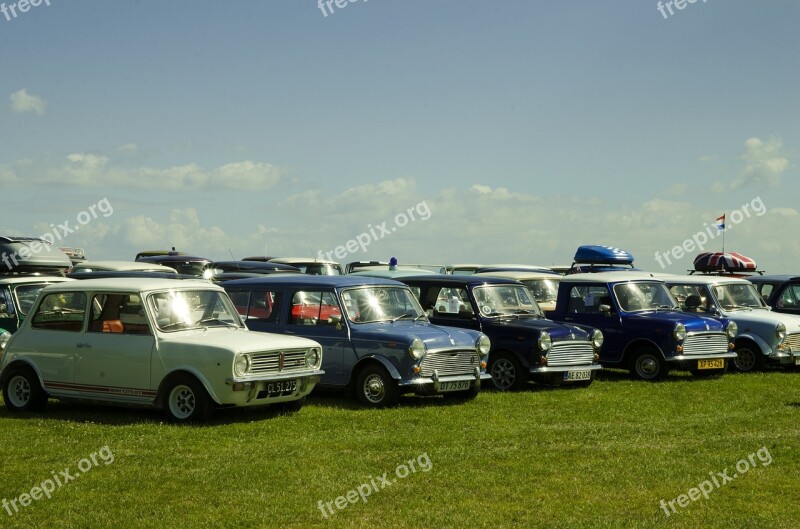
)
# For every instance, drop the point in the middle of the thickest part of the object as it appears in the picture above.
(705, 280)
(300, 260)
(613, 277)
(134, 284)
(123, 266)
(21, 280)
(523, 276)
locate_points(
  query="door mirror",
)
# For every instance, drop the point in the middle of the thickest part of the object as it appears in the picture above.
(605, 310)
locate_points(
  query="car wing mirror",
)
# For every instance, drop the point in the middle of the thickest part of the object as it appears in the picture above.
(605, 310)
(336, 319)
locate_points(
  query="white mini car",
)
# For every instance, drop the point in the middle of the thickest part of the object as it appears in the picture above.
(175, 345)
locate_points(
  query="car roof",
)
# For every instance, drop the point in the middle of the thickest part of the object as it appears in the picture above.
(301, 260)
(780, 278)
(172, 258)
(389, 274)
(458, 280)
(522, 276)
(124, 265)
(702, 279)
(305, 280)
(141, 284)
(21, 280)
(611, 277)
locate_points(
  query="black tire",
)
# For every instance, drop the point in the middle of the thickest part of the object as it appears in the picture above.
(22, 390)
(469, 394)
(748, 358)
(186, 400)
(375, 388)
(507, 372)
(647, 364)
(291, 407)
(710, 373)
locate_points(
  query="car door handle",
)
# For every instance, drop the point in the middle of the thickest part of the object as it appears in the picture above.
(82, 345)
(289, 332)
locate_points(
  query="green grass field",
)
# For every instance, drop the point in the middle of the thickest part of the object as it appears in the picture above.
(598, 457)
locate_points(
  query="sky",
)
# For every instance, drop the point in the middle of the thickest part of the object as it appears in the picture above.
(444, 131)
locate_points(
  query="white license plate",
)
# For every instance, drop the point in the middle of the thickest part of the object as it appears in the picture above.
(278, 388)
(455, 386)
(570, 376)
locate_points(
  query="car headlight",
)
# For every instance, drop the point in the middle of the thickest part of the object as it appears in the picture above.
(417, 349)
(5, 336)
(780, 332)
(241, 365)
(679, 332)
(597, 339)
(732, 329)
(545, 342)
(313, 357)
(483, 344)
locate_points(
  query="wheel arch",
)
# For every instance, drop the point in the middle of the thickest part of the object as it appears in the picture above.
(179, 372)
(637, 345)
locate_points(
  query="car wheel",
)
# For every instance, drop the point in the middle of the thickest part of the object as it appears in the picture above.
(292, 406)
(470, 394)
(375, 388)
(648, 365)
(710, 373)
(507, 373)
(748, 358)
(22, 391)
(186, 400)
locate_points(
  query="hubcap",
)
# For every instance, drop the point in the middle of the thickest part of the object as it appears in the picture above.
(503, 373)
(647, 366)
(745, 359)
(19, 391)
(181, 401)
(374, 388)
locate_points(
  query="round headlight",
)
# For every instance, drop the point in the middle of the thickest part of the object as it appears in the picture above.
(679, 332)
(5, 336)
(545, 342)
(416, 349)
(313, 357)
(732, 329)
(483, 344)
(597, 339)
(780, 332)
(241, 365)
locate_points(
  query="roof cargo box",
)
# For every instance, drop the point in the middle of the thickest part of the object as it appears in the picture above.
(29, 254)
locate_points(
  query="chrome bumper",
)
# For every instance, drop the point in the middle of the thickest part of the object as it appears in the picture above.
(564, 369)
(711, 356)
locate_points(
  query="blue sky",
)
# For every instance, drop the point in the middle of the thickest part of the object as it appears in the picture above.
(526, 127)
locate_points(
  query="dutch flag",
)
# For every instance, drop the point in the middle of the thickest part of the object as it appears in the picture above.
(721, 223)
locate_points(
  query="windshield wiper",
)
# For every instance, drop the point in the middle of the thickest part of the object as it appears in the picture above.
(208, 320)
(421, 316)
(406, 315)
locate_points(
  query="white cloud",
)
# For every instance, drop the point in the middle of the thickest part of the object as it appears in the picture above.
(764, 164)
(22, 101)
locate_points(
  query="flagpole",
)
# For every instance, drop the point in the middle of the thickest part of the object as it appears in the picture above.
(723, 232)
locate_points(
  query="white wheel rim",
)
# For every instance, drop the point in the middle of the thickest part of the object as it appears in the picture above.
(374, 388)
(19, 391)
(182, 401)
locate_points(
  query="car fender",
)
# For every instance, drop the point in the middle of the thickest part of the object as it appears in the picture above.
(758, 340)
(25, 361)
(637, 344)
(195, 373)
(390, 367)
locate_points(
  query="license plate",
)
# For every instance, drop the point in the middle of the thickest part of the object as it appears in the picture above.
(569, 376)
(284, 386)
(797, 361)
(455, 386)
(718, 363)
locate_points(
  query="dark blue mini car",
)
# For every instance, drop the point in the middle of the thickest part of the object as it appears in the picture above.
(525, 345)
(375, 336)
(643, 327)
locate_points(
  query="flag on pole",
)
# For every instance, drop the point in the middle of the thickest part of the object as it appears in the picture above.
(721, 223)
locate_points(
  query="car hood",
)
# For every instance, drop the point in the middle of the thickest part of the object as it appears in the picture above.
(556, 330)
(234, 340)
(403, 332)
(668, 318)
(763, 317)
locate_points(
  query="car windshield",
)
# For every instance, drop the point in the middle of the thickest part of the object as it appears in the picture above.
(504, 300)
(638, 296)
(319, 269)
(192, 309)
(381, 303)
(26, 295)
(738, 296)
(543, 290)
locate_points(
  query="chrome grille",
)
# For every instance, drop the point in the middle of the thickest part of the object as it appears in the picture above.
(705, 343)
(277, 361)
(793, 340)
(449, 363)
(570, 353)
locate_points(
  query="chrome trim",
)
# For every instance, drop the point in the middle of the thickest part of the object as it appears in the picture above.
(704, 343)
(564, 369)
(710, 356)
(570, 353)
(449, 362)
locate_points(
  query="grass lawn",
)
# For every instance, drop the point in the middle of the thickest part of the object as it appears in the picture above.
(566, 457)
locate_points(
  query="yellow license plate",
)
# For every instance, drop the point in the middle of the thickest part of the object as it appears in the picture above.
(718, 363)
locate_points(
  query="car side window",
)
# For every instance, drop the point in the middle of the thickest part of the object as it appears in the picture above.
(118, 313)
(314, 308)
(263, 306)
(788, 298)
(60, 311)
(6, 308)
(587, 299)
(765, 289)
(449, 303)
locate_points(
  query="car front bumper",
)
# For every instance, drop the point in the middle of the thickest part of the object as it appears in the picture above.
(436, 384)
(261, 390)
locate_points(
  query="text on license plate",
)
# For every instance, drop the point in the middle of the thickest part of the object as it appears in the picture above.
(284, 386)
(577, 375)
(717, 363)
(454, 386)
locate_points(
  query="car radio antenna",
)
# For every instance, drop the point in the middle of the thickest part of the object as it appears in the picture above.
(234, 259)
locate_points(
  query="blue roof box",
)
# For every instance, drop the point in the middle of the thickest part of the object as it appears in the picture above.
(607, 255)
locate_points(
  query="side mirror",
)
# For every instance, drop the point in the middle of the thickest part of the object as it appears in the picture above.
(3, 308)
(605, 310)
(336, 319)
